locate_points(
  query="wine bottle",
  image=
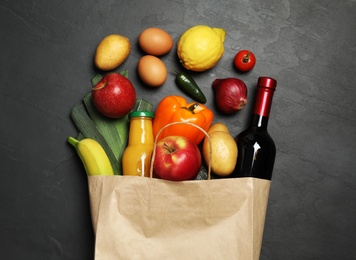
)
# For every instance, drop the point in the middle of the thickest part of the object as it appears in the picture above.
(256, 148)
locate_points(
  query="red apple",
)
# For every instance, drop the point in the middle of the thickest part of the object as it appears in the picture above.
(177, 159)
(114, 95)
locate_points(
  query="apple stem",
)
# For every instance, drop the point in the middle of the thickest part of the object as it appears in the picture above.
(169, 148)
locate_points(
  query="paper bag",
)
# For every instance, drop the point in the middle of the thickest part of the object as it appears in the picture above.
(148, 218)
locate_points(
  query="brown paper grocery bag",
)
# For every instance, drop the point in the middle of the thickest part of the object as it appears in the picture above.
(148, 218)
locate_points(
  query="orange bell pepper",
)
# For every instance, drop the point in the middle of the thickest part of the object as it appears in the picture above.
(176, 109)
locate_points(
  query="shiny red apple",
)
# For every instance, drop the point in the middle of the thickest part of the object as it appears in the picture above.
(114, 95)
(177, 159)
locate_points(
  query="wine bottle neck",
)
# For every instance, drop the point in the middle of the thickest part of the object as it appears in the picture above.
(263, 101)
(259, 121)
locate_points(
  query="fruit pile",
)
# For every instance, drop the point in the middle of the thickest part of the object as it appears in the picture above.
(102, 116)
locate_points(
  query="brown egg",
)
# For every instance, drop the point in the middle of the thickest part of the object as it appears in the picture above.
(155, 41)
(152, 71)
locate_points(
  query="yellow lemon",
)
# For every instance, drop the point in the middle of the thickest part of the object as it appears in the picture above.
(112, 51)
(201, 47)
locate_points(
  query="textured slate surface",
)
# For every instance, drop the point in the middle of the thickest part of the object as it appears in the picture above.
(46, 65)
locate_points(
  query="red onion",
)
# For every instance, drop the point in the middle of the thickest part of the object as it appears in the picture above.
(230, 94)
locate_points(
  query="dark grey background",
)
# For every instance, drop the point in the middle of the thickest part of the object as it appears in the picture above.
(46, 65)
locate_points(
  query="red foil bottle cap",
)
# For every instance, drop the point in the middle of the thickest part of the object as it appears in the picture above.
(265, 88)
(267, 82)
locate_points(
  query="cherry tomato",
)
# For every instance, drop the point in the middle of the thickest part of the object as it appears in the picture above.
(244, 60)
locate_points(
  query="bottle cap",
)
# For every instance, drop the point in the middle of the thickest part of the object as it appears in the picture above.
(140, 114)
(267, 82)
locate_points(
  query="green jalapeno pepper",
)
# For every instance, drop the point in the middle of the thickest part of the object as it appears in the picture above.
(187, 84)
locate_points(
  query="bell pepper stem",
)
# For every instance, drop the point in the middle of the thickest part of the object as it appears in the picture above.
(192, 107)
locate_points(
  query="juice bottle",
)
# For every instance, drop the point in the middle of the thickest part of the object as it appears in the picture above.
(136, 160)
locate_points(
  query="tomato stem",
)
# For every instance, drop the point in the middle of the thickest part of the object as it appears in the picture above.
(246, 58)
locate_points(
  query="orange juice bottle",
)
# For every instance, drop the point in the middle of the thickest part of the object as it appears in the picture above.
(136, 160)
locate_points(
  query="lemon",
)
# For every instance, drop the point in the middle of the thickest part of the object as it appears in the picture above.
(112, 51)
(201, 47)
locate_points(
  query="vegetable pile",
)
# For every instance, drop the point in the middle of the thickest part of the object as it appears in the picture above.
(102, 116)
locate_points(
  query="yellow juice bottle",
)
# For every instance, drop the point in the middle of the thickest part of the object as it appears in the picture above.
(136, 160)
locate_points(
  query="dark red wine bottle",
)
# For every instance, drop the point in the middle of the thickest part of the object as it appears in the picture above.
(256, 148)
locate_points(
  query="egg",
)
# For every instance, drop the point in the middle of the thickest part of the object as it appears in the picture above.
(152, 71)
(155, 41)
